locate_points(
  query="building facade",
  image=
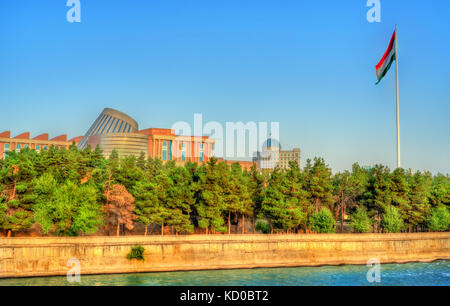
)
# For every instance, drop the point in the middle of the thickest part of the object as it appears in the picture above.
(38, 143)
(272, 156)
(114, 130)
(110, 122)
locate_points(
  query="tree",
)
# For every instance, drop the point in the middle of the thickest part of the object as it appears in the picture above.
(237, 196)
(439, 221)
(440, 191)
(68, 209)
(128, 173)
(274, 201)
(318, 183)
(360, 221)
(297, 198)
(255, 184)
(418, 198)
(149, 204)
(378, 197)
(399, 195)
(16, 175)
(284, 200)
(348, 189)
(180, 198)
(119, 207)
(210, 202)
(323, 221)
(392, 220)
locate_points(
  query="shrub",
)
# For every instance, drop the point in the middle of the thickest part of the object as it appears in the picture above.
(323, 221)
(392, 220)
(360, 221)
(439, 220)
(262, 227)
(137, 252)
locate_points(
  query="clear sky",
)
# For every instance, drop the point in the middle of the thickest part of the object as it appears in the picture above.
(309, 65)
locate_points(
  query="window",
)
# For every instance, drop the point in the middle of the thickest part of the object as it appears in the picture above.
(120, 126)
(114, 129)
(183, 151)
(110, 126)
(38, 148)
(6, 149)
(164, 150)
(170, 149)
(201, 152)
(106, 124)
(26, 146)
(18, 147)
(45, 147)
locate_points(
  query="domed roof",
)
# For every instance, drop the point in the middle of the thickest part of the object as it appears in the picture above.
(271, 143)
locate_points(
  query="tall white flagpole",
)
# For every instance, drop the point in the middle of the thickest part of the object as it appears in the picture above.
(398, 103)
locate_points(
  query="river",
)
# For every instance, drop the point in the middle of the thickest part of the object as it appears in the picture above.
(411, 274)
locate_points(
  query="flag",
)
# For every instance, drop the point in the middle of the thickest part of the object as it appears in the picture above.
(388, 58)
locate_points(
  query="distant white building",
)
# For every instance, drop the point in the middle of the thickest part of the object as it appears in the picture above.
(272, 156)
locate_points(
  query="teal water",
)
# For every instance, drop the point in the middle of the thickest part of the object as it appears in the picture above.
(411, 274)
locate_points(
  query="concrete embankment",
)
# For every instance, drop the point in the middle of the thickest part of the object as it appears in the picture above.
(45, 256)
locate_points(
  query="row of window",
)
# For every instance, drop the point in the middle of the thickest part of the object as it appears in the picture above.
(167, 151)
(6, 147)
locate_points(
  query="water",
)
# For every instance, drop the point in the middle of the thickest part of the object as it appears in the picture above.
(411, 274)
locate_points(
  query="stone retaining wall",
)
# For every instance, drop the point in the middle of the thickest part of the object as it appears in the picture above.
(42, 256)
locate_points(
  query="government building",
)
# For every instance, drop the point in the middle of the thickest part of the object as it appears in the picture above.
(38, 143)
(114, 130)
(272, 156)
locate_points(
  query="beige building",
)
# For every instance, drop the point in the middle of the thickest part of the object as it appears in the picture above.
(288, 156)
(272, 156)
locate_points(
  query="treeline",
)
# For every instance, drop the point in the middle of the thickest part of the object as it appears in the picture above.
(72, 192)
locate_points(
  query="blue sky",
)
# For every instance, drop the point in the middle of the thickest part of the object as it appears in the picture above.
(306, 64)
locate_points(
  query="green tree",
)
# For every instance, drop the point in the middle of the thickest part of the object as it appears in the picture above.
(399, 195)
(67, 209)
(297, 198)
(418, 198)
(284, 200)
(237, 197)
(377, 197)
(274, 201)
(16, 175)
(210, 202)
(319, 183)
(360, 221)
(323, 221)
(440, 191)
(180, 198)
(392, 220)
(255, 183)
(439, 221)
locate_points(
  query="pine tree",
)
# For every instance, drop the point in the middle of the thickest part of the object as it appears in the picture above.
(378, 195)
(180, 198)
(418, 195)
(210, 202)
(119, 207)
(318, 183)
(255, 183)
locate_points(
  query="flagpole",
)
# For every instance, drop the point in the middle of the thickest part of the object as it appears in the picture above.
(398, 102)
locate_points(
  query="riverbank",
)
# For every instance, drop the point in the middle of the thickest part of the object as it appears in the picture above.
(436, 273)
(48, 256)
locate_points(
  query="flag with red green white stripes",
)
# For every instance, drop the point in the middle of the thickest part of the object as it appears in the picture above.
(388, 58)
